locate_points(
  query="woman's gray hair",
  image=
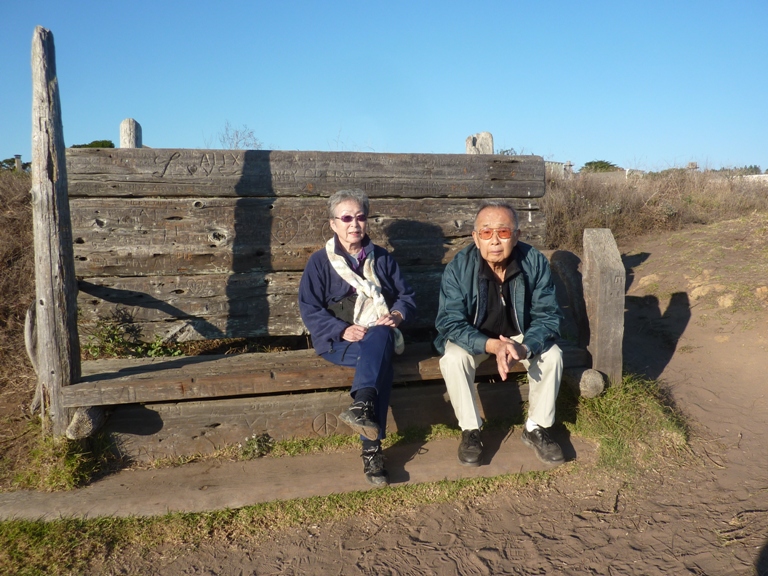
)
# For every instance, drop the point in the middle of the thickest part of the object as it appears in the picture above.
(498, 204)
(354, 194)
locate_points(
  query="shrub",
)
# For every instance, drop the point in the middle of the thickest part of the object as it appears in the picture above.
(119, 337)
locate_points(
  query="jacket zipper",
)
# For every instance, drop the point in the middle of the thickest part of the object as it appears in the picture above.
(514, 308)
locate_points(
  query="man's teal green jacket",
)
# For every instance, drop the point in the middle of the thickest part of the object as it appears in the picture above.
(463, 301)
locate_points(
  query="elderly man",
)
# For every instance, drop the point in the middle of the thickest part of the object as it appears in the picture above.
(497, 298)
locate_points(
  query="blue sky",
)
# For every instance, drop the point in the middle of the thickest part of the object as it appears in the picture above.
(646, 85)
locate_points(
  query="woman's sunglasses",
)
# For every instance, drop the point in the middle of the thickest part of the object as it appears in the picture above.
(347, 218)
(502, 233)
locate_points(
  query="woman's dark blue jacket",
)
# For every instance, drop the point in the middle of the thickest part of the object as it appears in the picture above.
(321, 286)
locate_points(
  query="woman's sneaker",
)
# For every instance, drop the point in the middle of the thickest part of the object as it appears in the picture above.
(373, 466)
(361, 418)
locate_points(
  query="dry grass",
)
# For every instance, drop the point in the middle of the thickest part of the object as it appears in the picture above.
(17, 379)
(16, 267)
(634, 206)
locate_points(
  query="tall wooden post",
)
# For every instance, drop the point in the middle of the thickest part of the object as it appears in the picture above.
(130, 134)
(17, 162)
(58, 347)
(604, 278)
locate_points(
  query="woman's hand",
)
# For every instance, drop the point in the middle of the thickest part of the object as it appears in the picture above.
(354, 333)
(392, 319)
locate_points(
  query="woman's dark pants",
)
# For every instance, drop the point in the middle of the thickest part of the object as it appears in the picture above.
(371, 358)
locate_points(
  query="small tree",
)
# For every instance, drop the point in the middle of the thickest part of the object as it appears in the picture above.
(96, 144)
(599, 166)
(238, 138)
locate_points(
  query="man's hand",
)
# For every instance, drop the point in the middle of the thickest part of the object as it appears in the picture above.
(507, 352)
(354, 333)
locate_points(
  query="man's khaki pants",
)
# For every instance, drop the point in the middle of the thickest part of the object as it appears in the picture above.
(544, 373)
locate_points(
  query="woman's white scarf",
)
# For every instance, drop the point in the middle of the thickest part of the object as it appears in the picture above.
(370, 304)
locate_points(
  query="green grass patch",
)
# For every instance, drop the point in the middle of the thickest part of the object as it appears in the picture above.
(62, 464)
(634, 424)
(119, 337)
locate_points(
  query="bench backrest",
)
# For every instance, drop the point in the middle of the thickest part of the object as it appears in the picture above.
(192, 244)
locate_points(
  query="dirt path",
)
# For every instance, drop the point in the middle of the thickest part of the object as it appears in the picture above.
(697, 316)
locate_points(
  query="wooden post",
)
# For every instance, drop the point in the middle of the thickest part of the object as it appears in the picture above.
(480, 143)
(130, 134)
(17, 159)
(604, 278)
(58, 347)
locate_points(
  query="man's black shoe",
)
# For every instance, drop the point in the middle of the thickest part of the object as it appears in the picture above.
(373, 466)
(471, 448)
(360, 417)
(547, 450)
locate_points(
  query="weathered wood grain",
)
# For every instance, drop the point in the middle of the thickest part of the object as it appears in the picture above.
(162, 430)
(152, 236)
(604, 282)
(130, 134)
(58, 348)
(218, 305)
(161, 379)
(271, 173)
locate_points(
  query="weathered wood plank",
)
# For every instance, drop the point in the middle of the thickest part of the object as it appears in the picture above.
(108, 382)
(604, 281)
(58, 348)
(217, 306)
(272, 173)
(151, 431)
(153, 236)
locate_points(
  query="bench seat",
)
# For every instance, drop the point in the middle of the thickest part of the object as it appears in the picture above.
(144, 380)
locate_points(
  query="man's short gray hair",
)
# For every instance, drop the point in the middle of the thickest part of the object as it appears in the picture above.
(499, 204)
(354, 194)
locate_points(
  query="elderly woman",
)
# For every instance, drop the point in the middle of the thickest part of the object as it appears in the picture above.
(352, 298)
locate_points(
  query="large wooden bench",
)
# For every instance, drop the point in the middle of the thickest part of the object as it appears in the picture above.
(192, 244)
(211, 244)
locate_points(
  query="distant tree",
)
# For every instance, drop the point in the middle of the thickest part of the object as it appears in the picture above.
(599, 166)
(96, 144)
(10, 164)
(238, 138)
(743, 171)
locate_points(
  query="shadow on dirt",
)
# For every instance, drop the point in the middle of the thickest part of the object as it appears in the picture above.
(651, 335)
(761, 564)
